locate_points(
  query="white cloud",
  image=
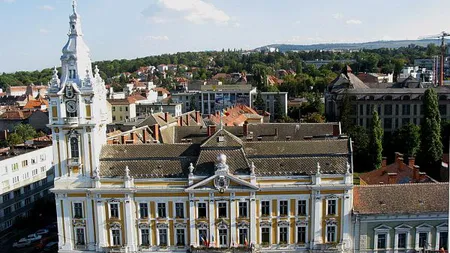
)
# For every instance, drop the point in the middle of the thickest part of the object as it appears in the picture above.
(237, 24)
(338, 16)
(353, 22)
(163, 37)
(47, 7)
(9, 1)
(195, 11)
(44, 31)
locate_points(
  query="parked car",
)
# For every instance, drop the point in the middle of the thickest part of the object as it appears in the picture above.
(24, 242)
(34, 237)
(51, 246)
(46, 240)
(42, 232)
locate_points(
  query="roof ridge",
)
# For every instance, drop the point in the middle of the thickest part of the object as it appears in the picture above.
(399, 185)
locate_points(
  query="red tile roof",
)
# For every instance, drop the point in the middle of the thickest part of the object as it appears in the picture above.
(161, 89)
(16, 115)
(36, 103)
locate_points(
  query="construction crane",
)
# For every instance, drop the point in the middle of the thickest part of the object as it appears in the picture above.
(440, 36)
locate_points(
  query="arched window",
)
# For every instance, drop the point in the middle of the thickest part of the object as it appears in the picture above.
(74, 151)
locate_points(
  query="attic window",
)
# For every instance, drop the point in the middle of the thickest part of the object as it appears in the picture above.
(221, 138)
(259, 138)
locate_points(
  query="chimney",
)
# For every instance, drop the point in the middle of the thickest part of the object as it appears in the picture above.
(245, 128)
(416, 173)
(134, 137)
(337, 129)
(180, 121)
(211, 130)
(156, 132)
(392, 178)
(411, 161)
(166, 117)
(187, 119)
(145, 135)
(400, 162)
(384, 162)
(422, 176)
(197, 117)
(399, 159)
(124, 139)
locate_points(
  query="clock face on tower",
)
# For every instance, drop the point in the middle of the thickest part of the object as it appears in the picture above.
(71, 106)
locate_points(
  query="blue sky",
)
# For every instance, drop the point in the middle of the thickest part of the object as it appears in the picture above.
(34, 31)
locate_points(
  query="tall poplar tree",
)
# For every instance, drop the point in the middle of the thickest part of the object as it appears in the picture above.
(376, 141)
(431, 140)
(345, 112)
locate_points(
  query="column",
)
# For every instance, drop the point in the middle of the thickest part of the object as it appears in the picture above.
(233, 219)
(316, 219)
(101, 228)
(212, 227)
(90, 223)
(252, 218)
(130, 224)
(67, 225)
(192, 233)
(346, 219)
(202, 105)
(85, 153)
(59, 219)
(63, 154)
(209, 103)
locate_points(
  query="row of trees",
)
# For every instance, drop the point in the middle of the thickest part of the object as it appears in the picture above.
(424, 142)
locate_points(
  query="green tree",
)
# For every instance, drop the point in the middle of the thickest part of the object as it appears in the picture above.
(431, 142)
(314, 118)
(14, 139)
(278, 109)
(26, 132)
(407, 139)
(259, 102)
(193, 103)
(360, 140)
(376, 141)
(345, 112)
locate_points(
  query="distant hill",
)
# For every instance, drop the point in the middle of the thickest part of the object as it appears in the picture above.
(352, 46)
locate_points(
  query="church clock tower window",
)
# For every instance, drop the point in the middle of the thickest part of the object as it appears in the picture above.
(74, 150)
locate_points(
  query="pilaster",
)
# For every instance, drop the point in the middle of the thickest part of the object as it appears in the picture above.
(60, 220)
(346, 219)
(130, 226)
(233, 219)
(212, 226)
(252, 218)
(68, 245)
(101, 224)
(316, 219)
(90, 223)
(192, 233)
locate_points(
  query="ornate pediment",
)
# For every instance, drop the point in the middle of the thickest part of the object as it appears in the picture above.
(115, 225)
(113, 200)
(144, 225)
(180, 225)
(331, 221)
(201, 225)
(265, 224)
(283, 223)
(222, 224)
(221, 183)
(331, 196)
(162, 225)
(78, 223)
(243, 224)
(301, 223)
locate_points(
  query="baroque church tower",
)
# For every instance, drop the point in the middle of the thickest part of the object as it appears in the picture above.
(78, 109)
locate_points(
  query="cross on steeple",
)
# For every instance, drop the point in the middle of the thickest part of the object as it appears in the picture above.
(74, 6)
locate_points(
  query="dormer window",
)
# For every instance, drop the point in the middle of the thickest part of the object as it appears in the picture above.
(72, 74)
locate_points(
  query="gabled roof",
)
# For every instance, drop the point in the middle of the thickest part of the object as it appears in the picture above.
(223, 138)
(347, 80)
(242, 183)
(16, 115)
(401, 199)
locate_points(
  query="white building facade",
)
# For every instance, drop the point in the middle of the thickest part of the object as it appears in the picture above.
(25, 178)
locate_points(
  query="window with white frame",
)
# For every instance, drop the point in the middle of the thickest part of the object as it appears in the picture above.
(222, 210)
(301, 208)
(162, 210)
(145, 236)
(179, 210)
(243, 210)
(143, 210)
(33, 160)
(331, 233)
(423, 236)
(284, 208)
(331, 206)
(180, 236)
(162, 236)
(265, 208)
(42, 157)
(202, 236)
(78, 210)
(382, 239)
(14, 167)
(243, 236)
(265, 235)
(79, 236)
(402, 234)
(283, 235)
(202, 210)
(114, 210)
(442, 236)
(301, 234)
(116, 238)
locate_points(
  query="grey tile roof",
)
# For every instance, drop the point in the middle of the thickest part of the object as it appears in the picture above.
(401, 198)
(151, 168)
(236, 161)
(147, 151)
(222, 138)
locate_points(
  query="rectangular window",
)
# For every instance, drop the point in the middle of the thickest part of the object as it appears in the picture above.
(179, 210)
(114, 210)
(331, 233)
(265, 235)
(18, 205)
(397, 110)
(331, 210)
(443, 110)
(27, 188)
(116, 237)
(368, 109)
(145, 236)
(36, 185)
(180, 237)
(42, 168)
(421, 109)
(243, 239)
(162, 210)
(301, 208)
(401, 242)
(201, 210)
(120, 108)
(143, 210)
(361, 109)
(24, 163)
(16, 179)
(222, 209)
(33, 160)
(78, 210)
(284, 208)
(14, 167)
(7, 210)
(387, 109)
(16, 193)
(80, 236)
(415, 109)
(283, 235)
(113, 108)
(163, 237)
(243, 209)
(423, 240)
(223, 237)
(34, 172)
(265, 208)
(43, 181)
(381, 242)
(388, 123)
(202, 236)
(443, 239)
(28, 201)
(405, 121)
(406, 109)
(301, 235)
(42, 157)
(6, 197)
